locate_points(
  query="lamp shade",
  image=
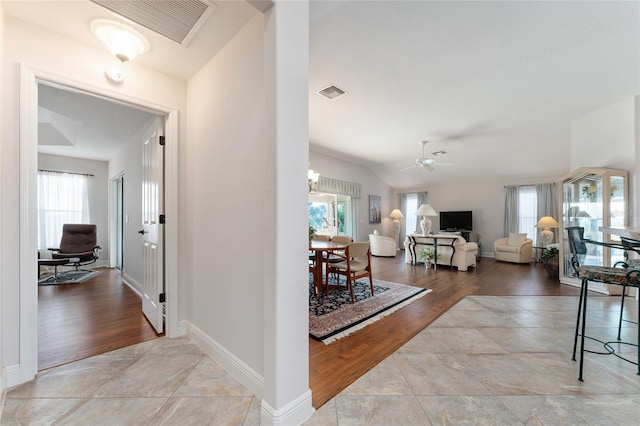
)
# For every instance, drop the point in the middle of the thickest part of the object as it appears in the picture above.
(547, 222)
(396, 214)
(426, 210)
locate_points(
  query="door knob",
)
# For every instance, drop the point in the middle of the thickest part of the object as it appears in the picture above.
(141, 232)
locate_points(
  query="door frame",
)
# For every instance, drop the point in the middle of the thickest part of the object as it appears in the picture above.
(116, 222)
(29, 79)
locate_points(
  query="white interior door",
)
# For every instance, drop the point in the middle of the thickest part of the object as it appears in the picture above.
(152, 228)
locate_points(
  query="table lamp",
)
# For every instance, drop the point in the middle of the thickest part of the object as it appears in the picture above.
(546, 235)
(425, 224)
(396, 215)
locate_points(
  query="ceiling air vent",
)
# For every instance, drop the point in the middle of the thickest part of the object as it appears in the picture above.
(331, 92)
(177, 20)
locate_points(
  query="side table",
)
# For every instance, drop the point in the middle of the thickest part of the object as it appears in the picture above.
(539, 251)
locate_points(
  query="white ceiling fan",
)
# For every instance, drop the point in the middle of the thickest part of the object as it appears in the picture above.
(427, 163)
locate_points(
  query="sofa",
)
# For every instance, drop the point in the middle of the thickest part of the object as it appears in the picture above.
(453, 250)
(382, 246)
(516, 248)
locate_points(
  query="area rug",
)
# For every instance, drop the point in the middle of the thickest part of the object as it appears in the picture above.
(69, 277)
(333, 316)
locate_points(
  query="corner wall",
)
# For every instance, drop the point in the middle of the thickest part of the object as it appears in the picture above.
(609, 137)
(226, 190)
(371, 185)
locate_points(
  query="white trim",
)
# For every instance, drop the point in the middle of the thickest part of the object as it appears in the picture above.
(240, 371)
(132, 283)
(294, 413)
(111, 206)
(29, 78)
(13, 375)
(28, 366)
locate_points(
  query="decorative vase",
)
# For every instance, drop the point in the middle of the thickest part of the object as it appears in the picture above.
(427, 264)
(552, 266)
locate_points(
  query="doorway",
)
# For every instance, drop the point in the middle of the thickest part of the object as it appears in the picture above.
(77, 136)
(30, 78)
(118, 222)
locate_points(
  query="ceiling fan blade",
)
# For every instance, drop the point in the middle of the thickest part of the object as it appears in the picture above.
(407, 168)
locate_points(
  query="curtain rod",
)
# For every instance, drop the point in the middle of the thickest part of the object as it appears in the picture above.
(69, 173)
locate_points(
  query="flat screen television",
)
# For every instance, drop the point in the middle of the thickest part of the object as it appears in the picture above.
(456, 221)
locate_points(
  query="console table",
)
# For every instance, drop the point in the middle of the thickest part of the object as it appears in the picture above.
(425, 241)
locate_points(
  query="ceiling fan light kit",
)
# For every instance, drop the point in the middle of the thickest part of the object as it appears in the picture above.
(427, 163)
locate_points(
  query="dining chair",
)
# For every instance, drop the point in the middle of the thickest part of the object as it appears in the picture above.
(334, 258)
(355, 264)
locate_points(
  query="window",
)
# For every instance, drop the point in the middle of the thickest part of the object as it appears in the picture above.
(331, 214)
(411, 219)
(62, 198)
(527, 210)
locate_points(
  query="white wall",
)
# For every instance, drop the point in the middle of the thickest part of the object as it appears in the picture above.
(485, 198)
(3, 377)
(371, 185)
(97, 186)
(608, 137)
(128, 162)
(58, 55)
(226, 196)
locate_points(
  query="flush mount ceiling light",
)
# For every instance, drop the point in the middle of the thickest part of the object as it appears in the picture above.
(123, 42)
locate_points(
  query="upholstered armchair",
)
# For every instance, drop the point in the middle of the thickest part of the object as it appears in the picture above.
(516, 248)
(382, 246)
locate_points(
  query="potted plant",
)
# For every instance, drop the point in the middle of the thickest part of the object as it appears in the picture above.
(550, 260)
(426, 255)
(312, 232)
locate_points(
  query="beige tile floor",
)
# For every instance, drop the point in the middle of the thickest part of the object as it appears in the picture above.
(488, 360)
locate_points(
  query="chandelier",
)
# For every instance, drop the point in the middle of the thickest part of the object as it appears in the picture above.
(313, 181)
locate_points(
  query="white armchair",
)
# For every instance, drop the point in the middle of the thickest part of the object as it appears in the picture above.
(516, 248)
(382, 246)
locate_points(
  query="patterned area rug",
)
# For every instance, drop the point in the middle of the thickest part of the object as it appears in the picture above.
(333, 316)
(69, 277)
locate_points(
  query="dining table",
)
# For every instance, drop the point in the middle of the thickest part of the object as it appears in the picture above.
(319, 247)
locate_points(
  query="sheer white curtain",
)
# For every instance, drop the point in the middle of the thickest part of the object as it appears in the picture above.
(62, 198)
(527, 210)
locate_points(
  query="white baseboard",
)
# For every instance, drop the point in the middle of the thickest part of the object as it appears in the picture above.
(244, 374)
(133, 284)
(13, 375)
(295, 413)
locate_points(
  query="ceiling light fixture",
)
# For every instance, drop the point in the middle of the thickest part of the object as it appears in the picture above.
(123, 42)
(313, 177)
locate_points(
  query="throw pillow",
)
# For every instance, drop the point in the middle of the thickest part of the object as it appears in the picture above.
(515, 239)
(375, 232)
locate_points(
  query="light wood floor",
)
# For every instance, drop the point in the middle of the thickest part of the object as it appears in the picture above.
(77, 321)
(103, 314)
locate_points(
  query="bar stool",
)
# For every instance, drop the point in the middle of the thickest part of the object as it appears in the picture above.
(602, 274)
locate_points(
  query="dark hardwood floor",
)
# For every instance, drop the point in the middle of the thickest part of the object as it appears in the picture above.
(77, 321)
(334, 367)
